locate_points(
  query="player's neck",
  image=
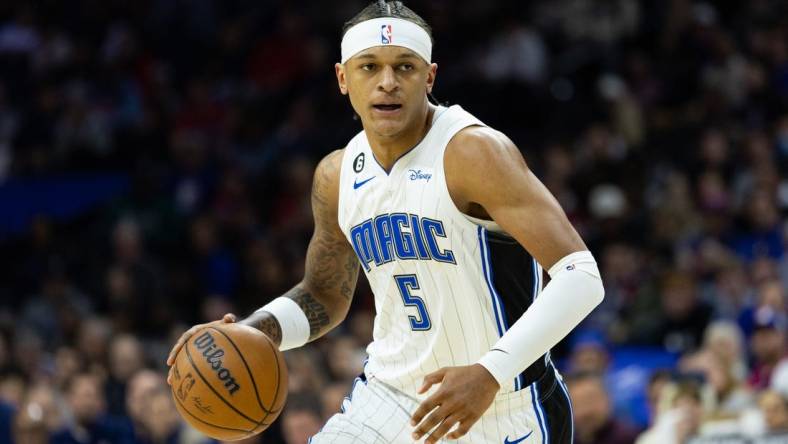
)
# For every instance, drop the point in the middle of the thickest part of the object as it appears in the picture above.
(388, 149)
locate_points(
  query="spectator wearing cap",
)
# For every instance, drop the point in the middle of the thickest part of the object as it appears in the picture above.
(589, 353)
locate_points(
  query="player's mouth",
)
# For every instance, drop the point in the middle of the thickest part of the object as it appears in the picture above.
(387, 109)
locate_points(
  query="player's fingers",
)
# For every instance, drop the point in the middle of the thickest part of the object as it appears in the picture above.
(465, 425)
(169, 377)
(182, 340)
(442, 429)
(425, 407)
(431, 379)
(431, 421)
(229, 318)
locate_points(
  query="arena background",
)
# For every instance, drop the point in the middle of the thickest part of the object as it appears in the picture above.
(156, 158)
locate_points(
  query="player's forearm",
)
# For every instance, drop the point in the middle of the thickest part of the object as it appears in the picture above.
(266, 323)
(574, 291)
(321, 312)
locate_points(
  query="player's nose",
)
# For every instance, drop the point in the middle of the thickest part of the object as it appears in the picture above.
(388, 79)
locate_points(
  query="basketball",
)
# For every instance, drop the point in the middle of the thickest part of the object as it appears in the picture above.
(229, 381)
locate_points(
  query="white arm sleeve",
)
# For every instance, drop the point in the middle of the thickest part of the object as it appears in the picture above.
(575, 289)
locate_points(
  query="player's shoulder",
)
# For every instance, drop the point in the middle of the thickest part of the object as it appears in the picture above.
(480, 144)
(330, 165)
(327, 173)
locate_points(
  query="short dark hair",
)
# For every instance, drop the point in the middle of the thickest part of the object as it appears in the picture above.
(384, 8)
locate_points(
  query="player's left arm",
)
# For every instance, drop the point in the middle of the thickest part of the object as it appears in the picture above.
(486, 172)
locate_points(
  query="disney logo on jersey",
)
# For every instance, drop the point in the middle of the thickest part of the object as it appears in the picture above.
(419, 174)
(387, 237)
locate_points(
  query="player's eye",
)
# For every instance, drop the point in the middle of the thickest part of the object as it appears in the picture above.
(406, 67)
(368, 66)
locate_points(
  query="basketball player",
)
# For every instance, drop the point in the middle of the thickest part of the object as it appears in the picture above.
(452, 230)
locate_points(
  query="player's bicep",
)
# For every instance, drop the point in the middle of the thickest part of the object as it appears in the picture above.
(530, 213)
(497, 178)
(331, 268)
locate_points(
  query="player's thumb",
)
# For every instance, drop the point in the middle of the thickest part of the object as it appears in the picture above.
(229, 318)
(431, 379)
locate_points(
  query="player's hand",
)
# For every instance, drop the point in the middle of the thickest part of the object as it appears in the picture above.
(229, 318)
(465, 393)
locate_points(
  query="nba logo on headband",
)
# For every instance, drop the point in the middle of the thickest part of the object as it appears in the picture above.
(380, 32)
(385, 34)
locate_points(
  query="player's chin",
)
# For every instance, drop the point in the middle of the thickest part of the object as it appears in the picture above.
(388, 127)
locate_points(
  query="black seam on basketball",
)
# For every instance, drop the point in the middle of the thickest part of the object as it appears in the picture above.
(185, 409)
(189, 355)
(248, 370)
(278, 380)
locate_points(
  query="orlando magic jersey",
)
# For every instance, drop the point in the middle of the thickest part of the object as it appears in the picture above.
(446, 285)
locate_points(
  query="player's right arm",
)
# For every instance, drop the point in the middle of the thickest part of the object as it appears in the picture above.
(331, 271)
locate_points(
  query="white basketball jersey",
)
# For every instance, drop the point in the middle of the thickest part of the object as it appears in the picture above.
(446, 286)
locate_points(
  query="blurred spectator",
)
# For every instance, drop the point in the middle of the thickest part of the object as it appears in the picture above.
(656, 383)
(93, 341)
(730, 395)
(589, 353)
(301, 418)
(683, 318)
(593, 414)
(138, 394)
(126, 358)
(331, 398)
(774, 408)
(163, 423)
(660, 127)
(88, 421)
(54, 313)
(12, 388)
(724, 339)
(304, 372)
(68, 363)
(345, 359)
(29, 427)
(679, 416)
(767, 344)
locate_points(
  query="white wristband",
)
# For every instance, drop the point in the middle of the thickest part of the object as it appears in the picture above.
(292, 321)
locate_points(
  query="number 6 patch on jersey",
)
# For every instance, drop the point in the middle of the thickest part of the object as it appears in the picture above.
(407, 283)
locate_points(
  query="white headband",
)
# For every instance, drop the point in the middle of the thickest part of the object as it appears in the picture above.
(386, 31)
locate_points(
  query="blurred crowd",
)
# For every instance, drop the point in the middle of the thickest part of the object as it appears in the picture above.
(661, 127)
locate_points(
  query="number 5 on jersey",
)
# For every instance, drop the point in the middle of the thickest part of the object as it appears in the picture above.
(407, 283)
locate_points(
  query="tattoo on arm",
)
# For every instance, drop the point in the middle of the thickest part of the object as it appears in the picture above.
(266, 323)
(315, 311)
(331, 264)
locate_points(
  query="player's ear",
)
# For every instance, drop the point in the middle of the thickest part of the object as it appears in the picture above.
(431, 76)
(341, 80)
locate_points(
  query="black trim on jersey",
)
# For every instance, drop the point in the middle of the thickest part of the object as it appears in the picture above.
(556, 406)
(514, 280)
